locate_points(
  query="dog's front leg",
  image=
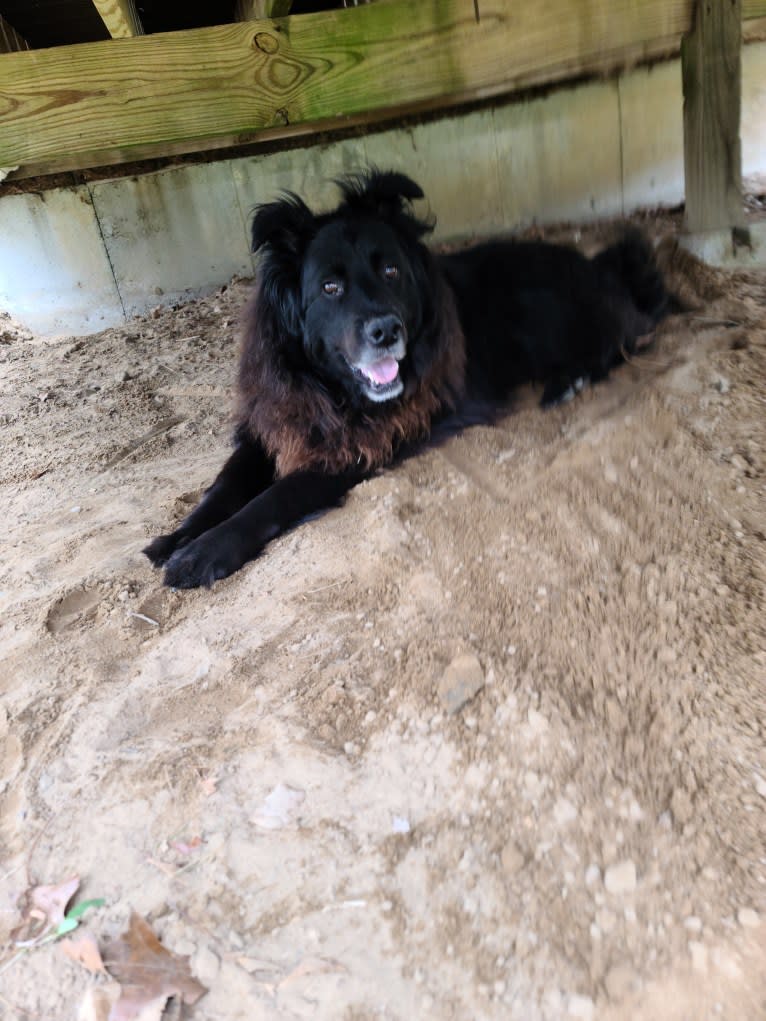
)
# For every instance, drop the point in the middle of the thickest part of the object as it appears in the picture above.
(222, 550)
(247, 472)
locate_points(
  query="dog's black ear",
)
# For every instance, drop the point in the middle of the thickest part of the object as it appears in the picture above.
(286, 225)
(283, 229)
(384, 193)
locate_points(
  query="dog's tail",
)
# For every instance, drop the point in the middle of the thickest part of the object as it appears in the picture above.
(631, 260)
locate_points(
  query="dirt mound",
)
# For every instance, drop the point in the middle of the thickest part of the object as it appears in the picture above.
(487, 742)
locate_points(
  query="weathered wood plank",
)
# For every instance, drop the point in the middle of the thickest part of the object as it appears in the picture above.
(10, 40)
(711, 63)
(120, 17)
(251, 10)
(95, 104)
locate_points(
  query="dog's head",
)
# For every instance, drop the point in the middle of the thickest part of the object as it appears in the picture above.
(349, 290)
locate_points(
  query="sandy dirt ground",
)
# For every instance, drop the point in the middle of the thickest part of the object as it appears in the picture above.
(485, 743)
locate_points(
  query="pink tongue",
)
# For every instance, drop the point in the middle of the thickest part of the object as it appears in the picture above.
(384, 371)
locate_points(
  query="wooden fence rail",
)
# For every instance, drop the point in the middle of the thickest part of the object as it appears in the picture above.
(124, 99)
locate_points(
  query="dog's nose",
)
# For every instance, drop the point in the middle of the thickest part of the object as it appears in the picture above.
(384, 331)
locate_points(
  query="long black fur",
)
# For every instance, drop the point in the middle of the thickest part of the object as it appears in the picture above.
(361, 344)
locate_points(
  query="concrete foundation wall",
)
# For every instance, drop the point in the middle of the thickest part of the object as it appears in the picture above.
(77, 260)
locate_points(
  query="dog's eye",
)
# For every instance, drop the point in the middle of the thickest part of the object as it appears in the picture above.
(390, 271)
(333, 288)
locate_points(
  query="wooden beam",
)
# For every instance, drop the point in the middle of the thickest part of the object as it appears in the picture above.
(251, 10)
(120, 17)
(10, 40)
(711, 65)
(101, 103)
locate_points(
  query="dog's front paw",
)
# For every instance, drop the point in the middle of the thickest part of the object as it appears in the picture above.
(201, 562)
(161, 549)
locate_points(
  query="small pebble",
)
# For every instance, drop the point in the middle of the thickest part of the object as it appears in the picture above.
(564, 812)
(533, 784)
(511, 858)
(606, 920)
(205, 966)
(635, 812)
(524, 943)
(748, 918)
(620, 879)
(554, 1001)
(698, 952)
(620, 981)
(681, 806)
(592, 875)
(462, 680)
(537, 723)
(580, 1006)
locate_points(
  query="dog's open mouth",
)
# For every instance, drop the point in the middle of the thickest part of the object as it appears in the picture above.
(381, 379)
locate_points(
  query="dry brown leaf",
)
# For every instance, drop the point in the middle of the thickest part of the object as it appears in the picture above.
(152, 1011)
(46, 907)
(147, 972)
(52, 900)
(172, 1011)
(83, 949)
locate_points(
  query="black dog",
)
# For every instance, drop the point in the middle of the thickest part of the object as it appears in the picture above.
(360, 343)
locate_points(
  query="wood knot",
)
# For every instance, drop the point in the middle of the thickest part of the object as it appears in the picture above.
(265, 42)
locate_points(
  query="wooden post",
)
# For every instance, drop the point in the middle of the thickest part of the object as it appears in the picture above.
(120, 17)
(711, 63)
(10, 40)
(251, 10)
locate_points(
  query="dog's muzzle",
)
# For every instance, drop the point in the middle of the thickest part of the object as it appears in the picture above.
(378, 369)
